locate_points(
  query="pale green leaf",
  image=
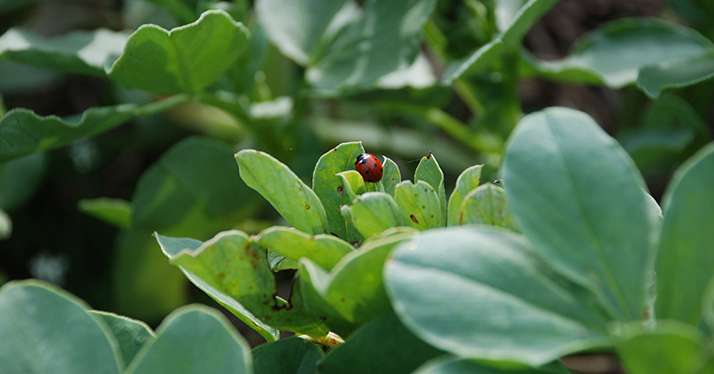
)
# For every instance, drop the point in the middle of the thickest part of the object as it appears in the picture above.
(467, 181)
(324, 250)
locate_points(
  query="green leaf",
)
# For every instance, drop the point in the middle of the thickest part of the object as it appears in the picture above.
(186, 59)
(351, 185)
(19, 179)
(579, 199)
(355, 287)
(467, 181)
(685, 258)
(324, 250)
(391, 175)
(385, 38)
(129, 333)
(374, 212)
(291, 355)
(669, 348)
(486, 205)
(616, 53)
(77, 52)
(5, 225)
(194, 339)
(25, 132)
(525, 312)
(114, 211)
(325, 181)
(299, 27)
(653, 79)
(230, 270)
(430, 172)
(509, 39)
(45, 330)
(192, 190)
(460, 365)
(421, 203)
(383, 345)
(289, 195)
(145, 285)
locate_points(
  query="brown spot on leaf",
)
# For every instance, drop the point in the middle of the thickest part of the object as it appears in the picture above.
(340, 189)
(414, 219)
(307, 206)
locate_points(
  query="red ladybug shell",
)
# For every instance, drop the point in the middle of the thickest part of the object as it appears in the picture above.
(369, 166)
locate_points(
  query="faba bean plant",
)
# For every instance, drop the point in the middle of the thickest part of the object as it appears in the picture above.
(572, 255)
(548, 247)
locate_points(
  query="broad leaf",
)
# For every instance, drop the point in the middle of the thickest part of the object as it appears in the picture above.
(45, 330)
(486, 205)
(685, 259)
(502, 303)
(351, 185)
(78, 52)
(113, 211)
(19, 179)
(383, 345)
(130, 334)
(5, 225)
(467, 181)
(290, 355)
(420, 203)
(24, 132)
(298, 27)
(192, 190)
(374, 212)
(324, 250)
(669, 348)
(196, 340)
(185, 59)
(512, 32)
(325, 182)
(616, 53)
(579, 199)
(457, 365)
(654, 79)
(385, 38)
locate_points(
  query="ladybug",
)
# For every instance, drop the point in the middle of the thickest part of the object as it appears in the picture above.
(369, 167)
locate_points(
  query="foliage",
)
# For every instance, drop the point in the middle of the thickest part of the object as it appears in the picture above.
(565, 252)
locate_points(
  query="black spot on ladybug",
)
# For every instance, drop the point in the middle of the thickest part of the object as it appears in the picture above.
(414, 219)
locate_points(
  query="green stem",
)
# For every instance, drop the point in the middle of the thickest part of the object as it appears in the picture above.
(162, 105)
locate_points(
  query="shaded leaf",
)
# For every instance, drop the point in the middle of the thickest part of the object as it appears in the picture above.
(130, 334)
(24, 132)
(113, 211)
(391, 175)
(390, 347)
(459, 365)
(653, 79)
(175, 348)
(45, 330)
(430, 172)
(19, 179)
(78, 52)
(669, 348)
(685, 257)
(186, 59)
(291, 355)
(616, 53)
